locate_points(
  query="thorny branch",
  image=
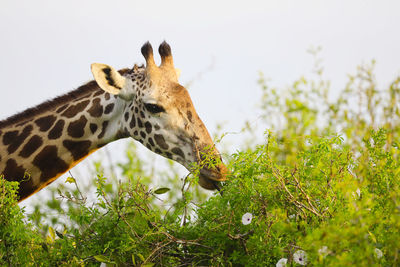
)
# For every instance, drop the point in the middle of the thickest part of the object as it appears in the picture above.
(297, 203)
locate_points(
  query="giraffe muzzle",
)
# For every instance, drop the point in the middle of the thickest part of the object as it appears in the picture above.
(210, 178)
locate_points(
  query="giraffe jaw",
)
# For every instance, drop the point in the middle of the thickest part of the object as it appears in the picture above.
(210, 178)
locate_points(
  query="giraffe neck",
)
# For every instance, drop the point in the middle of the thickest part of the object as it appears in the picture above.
(40, 144)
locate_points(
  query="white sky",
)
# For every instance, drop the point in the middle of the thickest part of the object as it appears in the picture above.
(46, 47)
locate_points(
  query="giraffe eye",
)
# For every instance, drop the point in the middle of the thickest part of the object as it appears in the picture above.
(154, 108)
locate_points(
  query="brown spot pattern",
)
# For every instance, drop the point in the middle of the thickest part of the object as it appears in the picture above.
(148, 127)
(62, 108)
(109, 108)
(93, 127)
(151, 141)
(77, 128)
(99, 92)
(18, 139)
(132, 124)
(189, 115)
(22, 123)
(26, 188)
(139, 122)
(96, 110)
(103, 130)
(178, 151)
(31, 146)
(44, 123)
(78, 149)
(75, 109)
(13, 172)
(57, 130)
(9, 137)
(160, 141)
(49, 163)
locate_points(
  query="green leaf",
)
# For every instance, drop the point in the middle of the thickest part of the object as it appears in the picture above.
(52, 232)
(161, 190)
(102, 258)
(141, 256)
(372, 236)
(70, 180)
(133, 259)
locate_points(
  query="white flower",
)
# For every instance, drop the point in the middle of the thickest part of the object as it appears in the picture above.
(357, 194)
(300, 257)
(246, 218)
(358, 191)
(324, 251)
(378, 253)
(281, 263)
(292, 216)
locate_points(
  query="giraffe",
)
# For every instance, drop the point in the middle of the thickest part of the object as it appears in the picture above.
(146, 103)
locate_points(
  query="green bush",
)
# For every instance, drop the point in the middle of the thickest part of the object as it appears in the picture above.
(321, 189)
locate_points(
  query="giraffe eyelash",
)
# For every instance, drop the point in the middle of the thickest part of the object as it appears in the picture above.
(154, 108)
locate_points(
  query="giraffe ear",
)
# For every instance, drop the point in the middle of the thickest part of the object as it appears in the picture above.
(108, 78)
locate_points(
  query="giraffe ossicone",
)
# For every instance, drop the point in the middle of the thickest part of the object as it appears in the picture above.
(146, 103)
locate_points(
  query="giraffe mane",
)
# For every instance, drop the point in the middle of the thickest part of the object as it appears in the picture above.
(32, 112)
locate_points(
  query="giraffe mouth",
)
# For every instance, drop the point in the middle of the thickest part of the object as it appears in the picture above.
(211, 178)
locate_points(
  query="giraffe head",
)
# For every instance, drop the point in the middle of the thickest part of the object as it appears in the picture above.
(159, 113)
